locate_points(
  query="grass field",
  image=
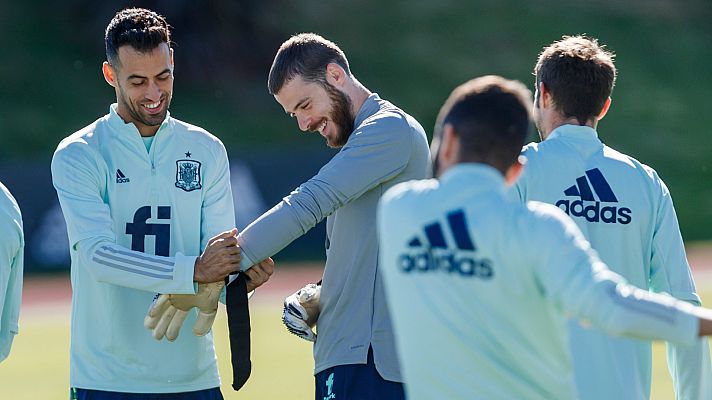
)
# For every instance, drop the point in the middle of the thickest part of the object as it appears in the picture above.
(282, 364)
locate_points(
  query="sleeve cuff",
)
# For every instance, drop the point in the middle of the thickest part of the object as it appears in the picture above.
(184, 272)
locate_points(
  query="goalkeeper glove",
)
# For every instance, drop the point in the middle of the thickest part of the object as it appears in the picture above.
(301, 311)
(168, 311)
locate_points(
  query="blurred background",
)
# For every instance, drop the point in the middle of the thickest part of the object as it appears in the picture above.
(411, 52)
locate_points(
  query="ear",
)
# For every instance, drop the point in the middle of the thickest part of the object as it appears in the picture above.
(335, 75)
(172, 63)
(514, 171)
(544, 99)
(449, 148)
(109, 73)
(605, 108)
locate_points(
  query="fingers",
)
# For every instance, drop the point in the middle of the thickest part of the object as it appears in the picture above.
(175, 325)
(158, 307)
(223, 235)
(203, 323)
(160, 330)
(259, 274)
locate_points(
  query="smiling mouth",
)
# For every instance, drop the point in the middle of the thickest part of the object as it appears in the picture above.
(153, 108)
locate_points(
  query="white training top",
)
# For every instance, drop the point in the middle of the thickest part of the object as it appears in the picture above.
(11, 265)
(626, 212)
(137, 220)
(478, 284)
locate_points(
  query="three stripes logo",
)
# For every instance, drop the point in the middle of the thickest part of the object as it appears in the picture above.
(431, 252)
(589, 205)
(120, 177)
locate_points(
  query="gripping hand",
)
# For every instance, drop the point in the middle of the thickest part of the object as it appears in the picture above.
(301, 311)
(168, 311)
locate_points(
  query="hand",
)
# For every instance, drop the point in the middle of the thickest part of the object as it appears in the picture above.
(168, 311)
(301, 311)
(220, 258)
(259, 273)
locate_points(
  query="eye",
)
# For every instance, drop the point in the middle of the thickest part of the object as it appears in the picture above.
(164, 77)
(136, 83)
(306, 106)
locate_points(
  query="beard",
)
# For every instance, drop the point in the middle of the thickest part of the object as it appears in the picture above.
(141, 117)
(340, 115)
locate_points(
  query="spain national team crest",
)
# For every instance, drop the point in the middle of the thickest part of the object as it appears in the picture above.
(188, 175)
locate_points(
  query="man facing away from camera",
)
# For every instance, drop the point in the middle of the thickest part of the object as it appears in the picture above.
(622, 207)
(479, 284)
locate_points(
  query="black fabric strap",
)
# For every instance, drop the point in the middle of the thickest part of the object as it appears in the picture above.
(238, 322)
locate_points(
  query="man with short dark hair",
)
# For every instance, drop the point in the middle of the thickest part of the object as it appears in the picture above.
(380, 146)
(623, 208)
(478, 284)
(149, 209)
(12, 246)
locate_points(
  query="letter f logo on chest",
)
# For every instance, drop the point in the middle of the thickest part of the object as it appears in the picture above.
(139, 229)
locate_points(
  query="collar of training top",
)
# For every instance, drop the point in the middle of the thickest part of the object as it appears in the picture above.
(574, 131)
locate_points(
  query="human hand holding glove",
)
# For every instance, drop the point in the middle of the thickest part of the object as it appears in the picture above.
(168, 311)
(301, 311)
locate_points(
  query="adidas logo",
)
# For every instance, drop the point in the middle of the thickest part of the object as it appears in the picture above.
(120, 177)
(435, 254)
(594, 212)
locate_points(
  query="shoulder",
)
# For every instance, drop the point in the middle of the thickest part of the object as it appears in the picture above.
(10, 214)
(550, 224)
(406, 195)
(83, 143)
(392, 120)
(196, 134)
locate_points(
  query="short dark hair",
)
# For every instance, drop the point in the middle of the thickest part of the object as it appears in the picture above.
(491, 116)
(305, 55)
(142, 29)
(580, 75)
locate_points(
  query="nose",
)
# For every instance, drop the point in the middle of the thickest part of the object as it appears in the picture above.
(303, 122)
(153, 93)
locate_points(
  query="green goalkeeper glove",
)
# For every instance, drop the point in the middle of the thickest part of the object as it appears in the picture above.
(168, 311)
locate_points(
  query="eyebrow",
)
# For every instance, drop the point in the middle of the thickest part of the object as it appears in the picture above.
(299, 104)
(134, 76)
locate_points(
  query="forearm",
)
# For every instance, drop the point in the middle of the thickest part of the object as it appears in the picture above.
(276, 229)
(628, 311)
(110, 263)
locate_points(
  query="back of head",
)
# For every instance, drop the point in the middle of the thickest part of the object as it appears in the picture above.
(490, 116)
(305, 55)
(142, 29)
(580, 75)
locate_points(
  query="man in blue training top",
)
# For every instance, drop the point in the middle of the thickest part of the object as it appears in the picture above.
(149, 209)
(622, 207)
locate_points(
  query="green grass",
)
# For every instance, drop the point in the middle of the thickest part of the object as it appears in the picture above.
(282, 364)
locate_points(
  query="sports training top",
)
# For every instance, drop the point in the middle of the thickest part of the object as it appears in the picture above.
(386, 147)
(11, 265)
(625, 211)
(478, 285)
(136, 221)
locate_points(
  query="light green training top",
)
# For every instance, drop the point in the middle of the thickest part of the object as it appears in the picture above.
(11, 267)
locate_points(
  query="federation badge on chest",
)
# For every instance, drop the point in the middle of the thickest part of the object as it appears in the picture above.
(188, 175)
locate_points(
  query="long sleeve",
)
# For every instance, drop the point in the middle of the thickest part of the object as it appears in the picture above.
(690, 366)
(581, 285)
(373, 155)
(76, 177)
(11, 271)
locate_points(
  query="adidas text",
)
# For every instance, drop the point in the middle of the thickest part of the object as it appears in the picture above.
(593, 212)
(446, 261)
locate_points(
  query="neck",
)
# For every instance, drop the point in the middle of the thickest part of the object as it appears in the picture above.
(559, 120)
(143, 129)
(358, 94)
